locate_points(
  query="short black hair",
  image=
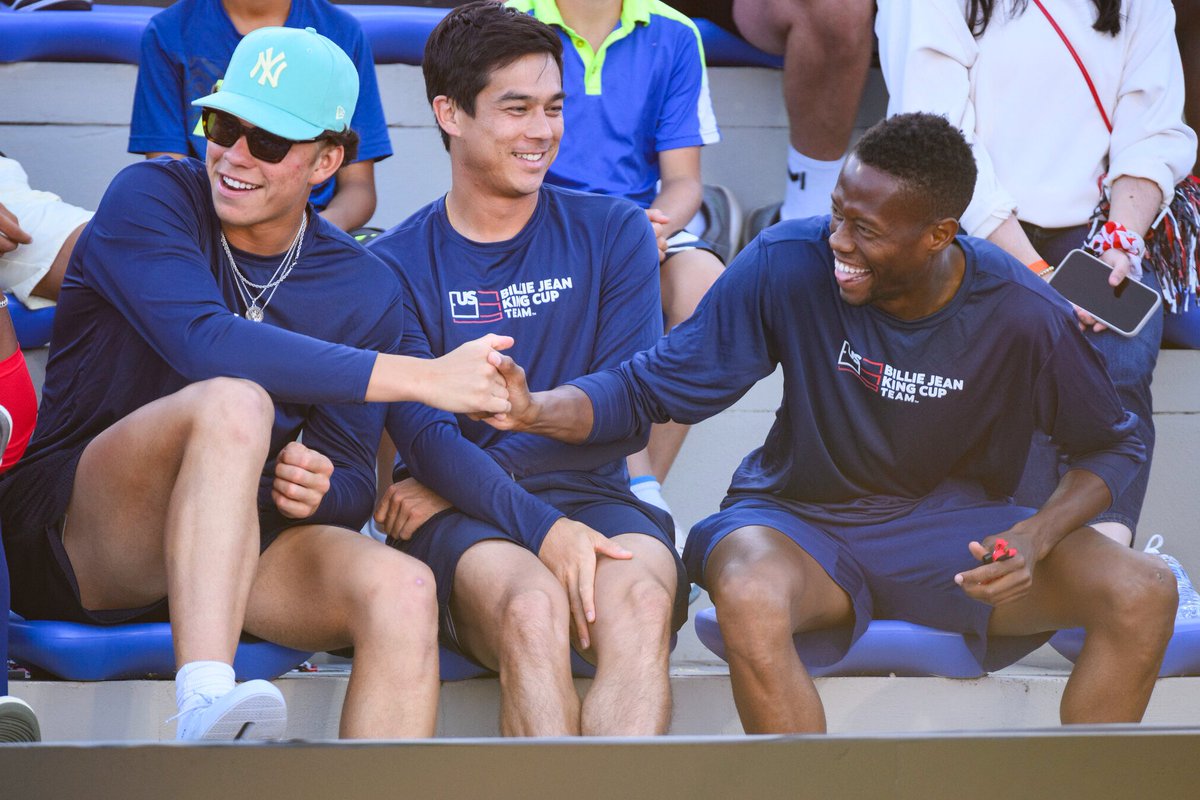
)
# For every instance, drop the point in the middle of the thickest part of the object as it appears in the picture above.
(348, 139)
(928, 155)
(474, 40)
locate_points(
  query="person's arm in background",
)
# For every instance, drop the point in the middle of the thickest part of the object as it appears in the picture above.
(681, 191)
(353, 201)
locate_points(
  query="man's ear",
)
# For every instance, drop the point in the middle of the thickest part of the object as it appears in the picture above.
(447, 112)
(941, 234)
(329, 161)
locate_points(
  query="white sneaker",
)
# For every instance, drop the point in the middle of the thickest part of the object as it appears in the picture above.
(254, 710)
(18, 723)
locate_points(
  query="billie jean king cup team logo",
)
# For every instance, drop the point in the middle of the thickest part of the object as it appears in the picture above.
(894, 383)
(521, 299)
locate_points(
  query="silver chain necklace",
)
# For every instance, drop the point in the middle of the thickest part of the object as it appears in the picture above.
(246, 287)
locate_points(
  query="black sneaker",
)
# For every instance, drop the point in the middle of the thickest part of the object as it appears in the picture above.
(723, 220)
(759, 218)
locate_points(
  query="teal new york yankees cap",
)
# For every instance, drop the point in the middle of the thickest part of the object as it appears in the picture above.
(292, 82)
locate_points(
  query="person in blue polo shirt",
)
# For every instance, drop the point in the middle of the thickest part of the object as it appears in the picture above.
(184, 52)
(536, 546)
(886, 483)
(636, 115)
(208, 319)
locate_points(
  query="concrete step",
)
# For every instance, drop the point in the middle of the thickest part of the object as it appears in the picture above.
(1016, 698)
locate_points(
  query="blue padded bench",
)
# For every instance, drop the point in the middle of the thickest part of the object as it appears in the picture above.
(1182, 656)
(32, 326)
(113, 34)
(77, 652)
(889, 647)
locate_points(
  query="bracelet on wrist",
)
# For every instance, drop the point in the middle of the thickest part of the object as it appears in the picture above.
(1040, 267)
(3, 301)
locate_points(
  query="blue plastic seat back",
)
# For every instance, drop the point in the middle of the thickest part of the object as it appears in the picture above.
(77, 652)
(32, 326)
(113, 34)
(1182, 656)
(889, 647)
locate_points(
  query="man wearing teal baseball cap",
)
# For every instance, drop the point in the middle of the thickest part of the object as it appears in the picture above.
(207, 319)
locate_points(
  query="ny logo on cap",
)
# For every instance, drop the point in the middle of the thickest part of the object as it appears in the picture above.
(271, 65)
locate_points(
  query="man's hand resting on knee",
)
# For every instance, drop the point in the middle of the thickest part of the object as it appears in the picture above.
(1000, 581)
(570, 551)
(406, 506)
(301, 480)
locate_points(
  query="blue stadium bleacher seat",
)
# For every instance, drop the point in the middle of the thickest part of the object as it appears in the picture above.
(32, 326)
(1182, 656)
(77, 652)
(112, 34)
(889, 647)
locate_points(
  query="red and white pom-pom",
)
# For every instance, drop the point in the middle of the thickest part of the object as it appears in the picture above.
(1114, 236)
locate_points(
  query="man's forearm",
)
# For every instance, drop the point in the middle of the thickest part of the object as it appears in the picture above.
(564, 413)
(1079, 497)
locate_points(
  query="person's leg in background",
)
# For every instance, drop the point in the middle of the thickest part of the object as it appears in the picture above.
(826, 49)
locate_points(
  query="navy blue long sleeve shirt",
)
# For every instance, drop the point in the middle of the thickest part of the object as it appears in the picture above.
(577, 289)
(149, 305)
(878, 411)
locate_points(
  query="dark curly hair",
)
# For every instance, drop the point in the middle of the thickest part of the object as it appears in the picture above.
(929, 157)
(474, 40)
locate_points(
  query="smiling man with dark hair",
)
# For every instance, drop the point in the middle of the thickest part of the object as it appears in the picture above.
(208, 318)
(906, 418)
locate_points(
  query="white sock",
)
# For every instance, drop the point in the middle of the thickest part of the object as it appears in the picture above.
(807, 194)
(198, 679)
(648, 490)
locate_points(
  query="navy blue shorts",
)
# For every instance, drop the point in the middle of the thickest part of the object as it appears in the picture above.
(900, 568)
(441, 541)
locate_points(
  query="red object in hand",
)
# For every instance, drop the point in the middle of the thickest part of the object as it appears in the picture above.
(1000, 552)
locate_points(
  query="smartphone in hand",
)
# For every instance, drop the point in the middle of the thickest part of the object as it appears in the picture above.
(1083, 279)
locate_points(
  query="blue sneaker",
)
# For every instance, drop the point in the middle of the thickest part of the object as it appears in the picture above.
(1189, 599)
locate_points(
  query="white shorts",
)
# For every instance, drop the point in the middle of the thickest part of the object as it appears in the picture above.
(47, 220)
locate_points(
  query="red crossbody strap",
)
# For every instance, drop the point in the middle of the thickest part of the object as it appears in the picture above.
(1079, 62)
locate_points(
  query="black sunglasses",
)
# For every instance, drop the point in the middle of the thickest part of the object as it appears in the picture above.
(225, 129)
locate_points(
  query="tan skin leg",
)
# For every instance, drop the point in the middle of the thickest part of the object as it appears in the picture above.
(826, 49)
(51, 284)
(766, 589)
(324, 588)
(164, 504)
(512, 615)
(631, 694)
(1126, 602)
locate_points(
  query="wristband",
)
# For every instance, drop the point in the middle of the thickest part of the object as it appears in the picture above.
(1115, 236)
(3, 301)
(1042, 267)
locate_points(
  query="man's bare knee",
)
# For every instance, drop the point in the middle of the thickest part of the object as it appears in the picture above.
(393, 595)
(230, 410)
(533, 622)
(1139, 602)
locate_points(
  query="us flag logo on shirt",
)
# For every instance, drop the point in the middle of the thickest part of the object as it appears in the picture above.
(475, 307)
(868, 371)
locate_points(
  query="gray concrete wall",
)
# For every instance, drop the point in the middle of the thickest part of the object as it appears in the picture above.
(68, 125)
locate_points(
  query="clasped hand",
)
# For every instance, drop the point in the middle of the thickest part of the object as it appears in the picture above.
(301, 480)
